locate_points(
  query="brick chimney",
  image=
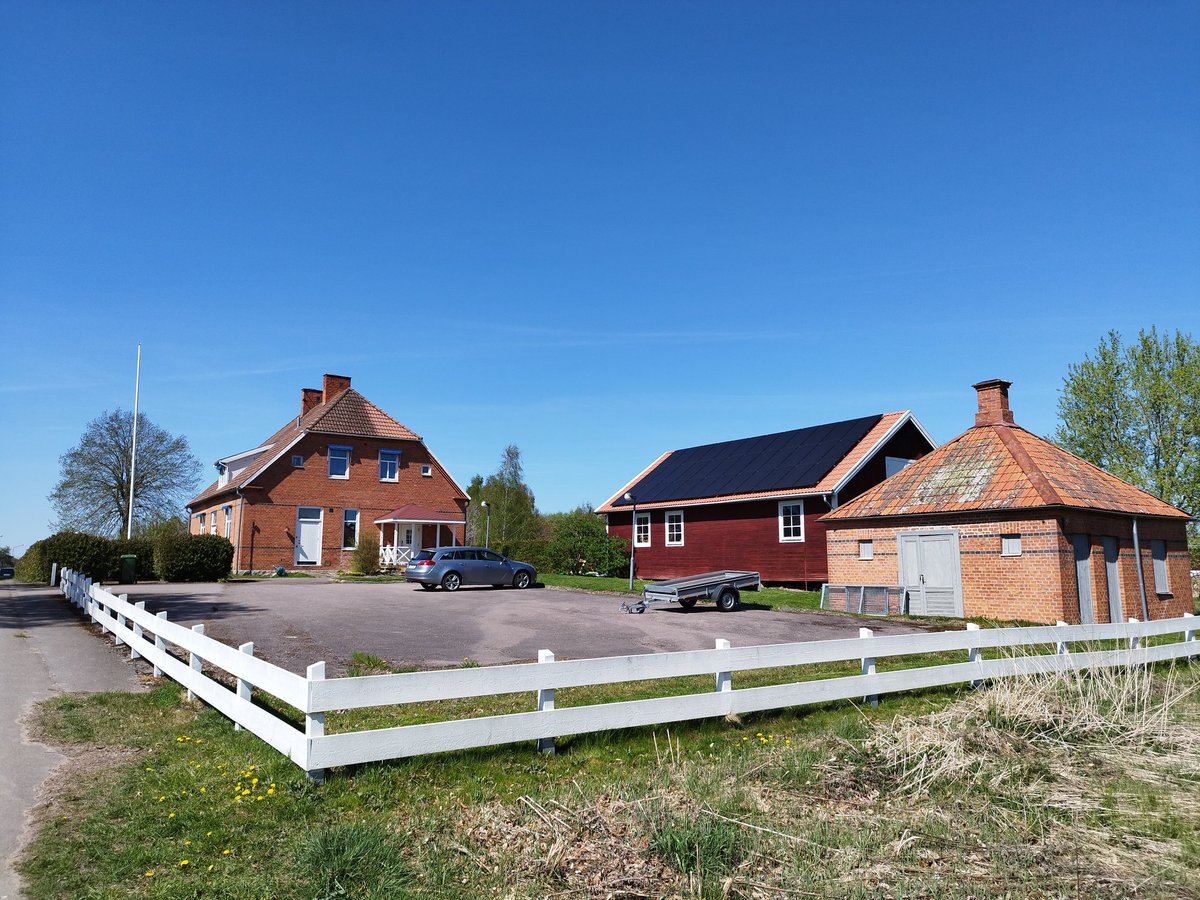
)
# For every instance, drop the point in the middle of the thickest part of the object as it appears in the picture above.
(993, 402)
(310, 399)
(334, 385)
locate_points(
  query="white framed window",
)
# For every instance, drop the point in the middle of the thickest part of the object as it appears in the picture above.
(389, 465)
(1010, 545)
(674, 523)
(297, 461)
(427, 471)
(200, 519)
(228, 520)
(641, 530)
(1158, 552)
(866, 549)
(350, 529)
(339, 461)
(212, 523)
(791, 521)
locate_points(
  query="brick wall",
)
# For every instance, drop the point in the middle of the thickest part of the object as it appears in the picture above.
(1040, 584)
(267, 533)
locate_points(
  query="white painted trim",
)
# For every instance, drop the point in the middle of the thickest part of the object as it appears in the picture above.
(667, 528)
(779, 519)
(904, 419)
(280, 455)
(397, 456)
(228, 459)
(649, 530)
(340, 448)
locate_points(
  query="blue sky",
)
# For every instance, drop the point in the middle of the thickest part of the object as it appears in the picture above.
(595, 230)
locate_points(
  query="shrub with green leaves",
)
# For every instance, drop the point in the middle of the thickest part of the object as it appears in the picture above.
(142, 548)
(365, 559)
(193, 557)
(531, 551)
(580, 544)
(33, 565)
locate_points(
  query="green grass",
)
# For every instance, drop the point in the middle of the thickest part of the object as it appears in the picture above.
(807, 796)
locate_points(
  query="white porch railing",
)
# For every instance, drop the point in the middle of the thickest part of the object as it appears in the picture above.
(395, 557)
(314, 695)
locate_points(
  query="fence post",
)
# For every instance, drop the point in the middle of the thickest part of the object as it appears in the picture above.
(545, 701)
(314, 723)
(159, 644)
(124, 598)
(194, 661)
(1062, 649)
(137, 631)
(868, 667)
(87, 596)
(1189, 636)
(724, 680)
(1135, 641)
(53, 574)
(974, 655)
(244, 688)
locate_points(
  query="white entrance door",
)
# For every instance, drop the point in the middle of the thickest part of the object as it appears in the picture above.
(929, 571)
(308, 535)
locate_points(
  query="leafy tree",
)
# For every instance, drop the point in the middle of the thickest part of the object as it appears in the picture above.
(92, 494)
(6, 556)
(580, 544)
(1135, 411)
(513, 513)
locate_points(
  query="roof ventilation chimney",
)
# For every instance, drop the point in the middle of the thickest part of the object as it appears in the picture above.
(993, 402)
(310, 399)
(335, 385)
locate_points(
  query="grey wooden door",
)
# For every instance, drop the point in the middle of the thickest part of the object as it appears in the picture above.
(1083, 577)
(930, 573)
(1112, 554)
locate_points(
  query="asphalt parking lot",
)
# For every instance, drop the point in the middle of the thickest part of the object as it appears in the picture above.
(296, 622)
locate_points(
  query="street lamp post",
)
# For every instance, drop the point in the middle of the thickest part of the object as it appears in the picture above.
(633, 535)
(487, 527)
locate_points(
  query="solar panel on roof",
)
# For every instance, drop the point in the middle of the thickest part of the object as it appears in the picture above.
(785, 460)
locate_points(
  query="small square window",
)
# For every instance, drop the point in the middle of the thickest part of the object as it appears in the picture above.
(1010, 545)
(866, 549)
(427, 471)
(297, 461)
(339, 462)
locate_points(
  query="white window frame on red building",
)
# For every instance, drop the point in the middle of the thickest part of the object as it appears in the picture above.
(639, 532)
(339, 451)
(787, 522)
(667, 523)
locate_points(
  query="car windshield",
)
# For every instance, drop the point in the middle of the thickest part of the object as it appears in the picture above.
(423, 554)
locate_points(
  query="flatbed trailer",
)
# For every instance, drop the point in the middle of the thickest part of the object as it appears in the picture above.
(723, 587)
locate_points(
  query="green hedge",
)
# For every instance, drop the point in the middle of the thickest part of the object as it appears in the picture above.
(532, 552)
(182, 557)
(193, 557)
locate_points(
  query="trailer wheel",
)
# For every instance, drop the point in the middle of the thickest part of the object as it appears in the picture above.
(727, 600)
(687, 602)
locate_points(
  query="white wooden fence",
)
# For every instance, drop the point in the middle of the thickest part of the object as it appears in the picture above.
(153, 637)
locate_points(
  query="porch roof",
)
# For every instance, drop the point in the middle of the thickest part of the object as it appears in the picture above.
(421, 515)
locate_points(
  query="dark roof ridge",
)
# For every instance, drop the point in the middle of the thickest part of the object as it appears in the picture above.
(1022, 458)
(770, 434)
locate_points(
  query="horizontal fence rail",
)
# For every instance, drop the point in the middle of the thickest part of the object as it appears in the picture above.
(151, 636)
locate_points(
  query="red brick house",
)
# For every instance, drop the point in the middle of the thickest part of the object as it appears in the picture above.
(756, 503)
(302, 498)
(1000, 522)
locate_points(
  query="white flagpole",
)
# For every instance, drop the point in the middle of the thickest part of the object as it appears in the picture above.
(137, 384)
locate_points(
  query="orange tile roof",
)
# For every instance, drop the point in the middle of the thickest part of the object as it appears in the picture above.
(349, 413)
(1000, 467)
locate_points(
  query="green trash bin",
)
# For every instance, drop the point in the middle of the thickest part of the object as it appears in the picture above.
(128, 569)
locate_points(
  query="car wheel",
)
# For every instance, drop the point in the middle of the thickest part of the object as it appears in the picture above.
(522, 580)
(428, 587)
(687, 602)
(727, 600)
(451, 581)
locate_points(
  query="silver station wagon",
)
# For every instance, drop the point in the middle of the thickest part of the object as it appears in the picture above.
(452, 567)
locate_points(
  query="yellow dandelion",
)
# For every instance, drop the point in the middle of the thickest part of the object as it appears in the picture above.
(185, 862)
(210, 834)
(237, 799)
(148, 769)
(245, 792)
(210, 868)
(149, 874)
(171, 816)
(254, 781)
(204, 790)
(226, 852)
(161, 799)
(187, 843)
(270, 791)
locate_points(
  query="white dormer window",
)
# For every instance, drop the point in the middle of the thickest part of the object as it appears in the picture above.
(339, 462)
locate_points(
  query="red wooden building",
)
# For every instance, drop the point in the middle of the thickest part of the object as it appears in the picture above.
(302, 498)
(756, 503)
